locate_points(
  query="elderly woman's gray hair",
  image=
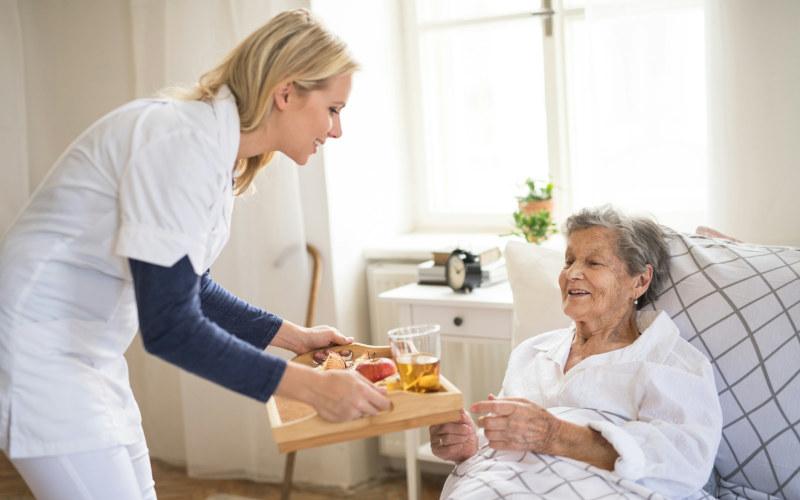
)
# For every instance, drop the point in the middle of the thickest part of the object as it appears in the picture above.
(640, 241)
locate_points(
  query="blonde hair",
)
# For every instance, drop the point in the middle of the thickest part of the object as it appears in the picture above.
(294, 46)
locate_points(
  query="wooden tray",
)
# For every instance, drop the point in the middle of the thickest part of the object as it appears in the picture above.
(296, 425)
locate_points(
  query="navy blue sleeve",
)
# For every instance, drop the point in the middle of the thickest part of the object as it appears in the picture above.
(174, 328)
(251, 324)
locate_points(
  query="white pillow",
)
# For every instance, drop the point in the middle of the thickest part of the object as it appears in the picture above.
(533, 275)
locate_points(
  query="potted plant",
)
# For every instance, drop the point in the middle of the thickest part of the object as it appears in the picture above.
(538, 197)
(534, 219)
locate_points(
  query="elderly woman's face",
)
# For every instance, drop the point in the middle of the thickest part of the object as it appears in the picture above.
(595, 283)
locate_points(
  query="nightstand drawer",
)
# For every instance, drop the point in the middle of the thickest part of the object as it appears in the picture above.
(486, 323)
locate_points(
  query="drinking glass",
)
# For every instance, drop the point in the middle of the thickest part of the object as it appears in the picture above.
(416, 350)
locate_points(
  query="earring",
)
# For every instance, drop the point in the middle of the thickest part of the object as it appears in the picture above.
(635, 301)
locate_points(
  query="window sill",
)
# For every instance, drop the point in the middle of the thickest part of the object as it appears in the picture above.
(418, 246)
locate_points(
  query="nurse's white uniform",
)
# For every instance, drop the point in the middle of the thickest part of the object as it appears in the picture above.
(152, 180)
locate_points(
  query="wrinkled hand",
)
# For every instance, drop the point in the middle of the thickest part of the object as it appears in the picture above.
(455, 441)
(322, 336)
(345, 395)
(517, 424)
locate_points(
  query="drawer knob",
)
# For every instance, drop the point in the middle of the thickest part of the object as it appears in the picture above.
(458, 321)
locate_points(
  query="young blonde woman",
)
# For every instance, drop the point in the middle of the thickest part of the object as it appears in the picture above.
(120, 236)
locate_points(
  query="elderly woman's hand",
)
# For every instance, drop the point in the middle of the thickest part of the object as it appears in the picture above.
(517, 424)
(455, 441)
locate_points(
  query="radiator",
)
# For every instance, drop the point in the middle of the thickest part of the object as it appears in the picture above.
(382, 276)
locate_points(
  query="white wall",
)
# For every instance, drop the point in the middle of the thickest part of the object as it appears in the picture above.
(363, 191)
(753, 57)
(73, 74)
(367, 170)
(14, 188)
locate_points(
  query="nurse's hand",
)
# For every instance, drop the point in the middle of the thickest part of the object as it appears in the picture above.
(323, 336)
(299, 339)
(337, 395)
(347, 395)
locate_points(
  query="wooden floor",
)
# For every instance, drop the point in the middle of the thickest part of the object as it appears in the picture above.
(173, 484)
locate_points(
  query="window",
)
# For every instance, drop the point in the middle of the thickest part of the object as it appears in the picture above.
(636, 109)
(609, 104)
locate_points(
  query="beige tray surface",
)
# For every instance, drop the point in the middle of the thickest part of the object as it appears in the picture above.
(296, 426)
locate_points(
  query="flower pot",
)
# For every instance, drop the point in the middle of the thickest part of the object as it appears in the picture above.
(534, 220)
(530, 207)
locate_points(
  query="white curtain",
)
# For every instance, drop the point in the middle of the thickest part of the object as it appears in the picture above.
(635, 73)
(65, 64)
(13, 144)
(214, 431)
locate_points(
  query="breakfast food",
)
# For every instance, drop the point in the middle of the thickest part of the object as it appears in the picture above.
(373, 368)
(376, 369)
(319, 357)
(334, 361)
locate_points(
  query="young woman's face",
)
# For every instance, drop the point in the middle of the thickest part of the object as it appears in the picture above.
(308, 119)
(595, 284)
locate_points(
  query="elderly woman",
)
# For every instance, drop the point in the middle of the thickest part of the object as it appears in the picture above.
(618, 405)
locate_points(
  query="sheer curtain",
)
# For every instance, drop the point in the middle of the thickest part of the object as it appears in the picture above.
(13, 137)
(214, 431)
(65, 65)
(635, 73)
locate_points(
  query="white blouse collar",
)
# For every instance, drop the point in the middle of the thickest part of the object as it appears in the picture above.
(227, 113)
(659, 334)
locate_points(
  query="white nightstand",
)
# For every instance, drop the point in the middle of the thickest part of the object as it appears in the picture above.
(483, 316)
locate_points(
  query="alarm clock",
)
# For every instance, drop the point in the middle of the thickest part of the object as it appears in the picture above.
(462, 271)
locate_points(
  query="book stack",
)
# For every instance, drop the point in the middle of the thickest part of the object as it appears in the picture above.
(493, 267)
(430, 274)
(487, 255)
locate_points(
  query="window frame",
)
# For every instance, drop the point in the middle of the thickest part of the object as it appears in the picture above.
(423, 219)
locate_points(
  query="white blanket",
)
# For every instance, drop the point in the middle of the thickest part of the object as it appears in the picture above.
(492, 474)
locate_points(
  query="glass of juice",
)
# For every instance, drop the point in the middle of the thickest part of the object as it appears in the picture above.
(416, 350)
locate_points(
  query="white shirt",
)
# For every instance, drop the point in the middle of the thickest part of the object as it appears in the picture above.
(151, 180)
(660, 385)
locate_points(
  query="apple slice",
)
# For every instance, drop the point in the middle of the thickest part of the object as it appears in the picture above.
(375, 369)
(334, 361)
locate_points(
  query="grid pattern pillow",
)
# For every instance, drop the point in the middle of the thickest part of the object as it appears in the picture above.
(740, 305)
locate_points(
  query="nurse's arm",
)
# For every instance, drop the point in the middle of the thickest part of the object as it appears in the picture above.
(261, 328)
(255, 326)
(174, 328)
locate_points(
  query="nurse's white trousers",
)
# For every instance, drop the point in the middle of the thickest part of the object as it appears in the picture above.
(121, 473)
